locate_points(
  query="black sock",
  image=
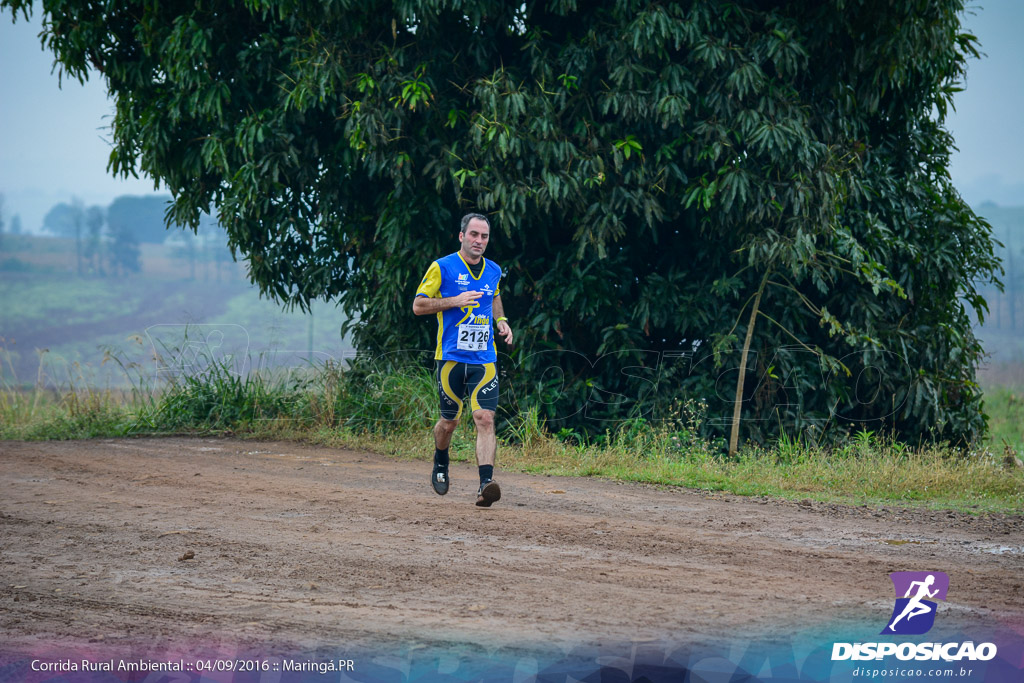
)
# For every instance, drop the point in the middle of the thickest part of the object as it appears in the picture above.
(486, 473)
(441, 457)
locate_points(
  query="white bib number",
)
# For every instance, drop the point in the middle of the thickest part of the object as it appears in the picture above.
(473, 337)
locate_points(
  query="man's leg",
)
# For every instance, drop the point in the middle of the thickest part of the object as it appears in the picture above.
(449, 387)
(443, 431)
(439, 478)
(483, 401)
(486, 444)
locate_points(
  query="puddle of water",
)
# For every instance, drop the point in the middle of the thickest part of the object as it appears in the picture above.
(899, 541)
(1005, 550)
(448, 539)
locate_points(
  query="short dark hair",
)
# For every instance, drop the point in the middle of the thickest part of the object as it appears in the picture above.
(470, 216)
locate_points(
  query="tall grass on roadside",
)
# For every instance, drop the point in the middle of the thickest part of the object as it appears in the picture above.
(40, 414)
(76, 411)
(870, 470)
(392, 411)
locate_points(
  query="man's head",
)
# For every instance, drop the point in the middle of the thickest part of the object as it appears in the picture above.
(473, 235)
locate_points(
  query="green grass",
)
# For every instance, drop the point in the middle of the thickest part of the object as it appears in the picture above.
(879, 474)
(393, 414)
(48, 415)
(1005, 408)
(38, 300)
(270, 327)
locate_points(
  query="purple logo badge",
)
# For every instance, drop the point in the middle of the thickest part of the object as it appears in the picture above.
(916, 592)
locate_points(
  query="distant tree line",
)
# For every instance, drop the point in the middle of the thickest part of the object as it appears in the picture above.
(1006, 310)
(108, 239)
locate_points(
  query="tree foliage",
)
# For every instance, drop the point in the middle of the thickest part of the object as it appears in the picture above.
(143, 217)
(64, 218)
(647, 166)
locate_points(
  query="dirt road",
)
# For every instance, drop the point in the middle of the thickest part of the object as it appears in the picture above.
(187, 540)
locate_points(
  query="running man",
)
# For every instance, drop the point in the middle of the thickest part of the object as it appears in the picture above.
(915, 606)
(462, 290)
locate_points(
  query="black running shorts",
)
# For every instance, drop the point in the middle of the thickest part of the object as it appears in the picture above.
(455, 380)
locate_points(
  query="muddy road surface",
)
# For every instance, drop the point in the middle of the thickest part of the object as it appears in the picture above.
(186, 540)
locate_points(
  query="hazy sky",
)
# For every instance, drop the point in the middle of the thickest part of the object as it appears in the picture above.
(989, 114)
(54, 143)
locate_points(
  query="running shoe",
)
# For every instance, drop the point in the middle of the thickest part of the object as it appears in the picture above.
(439, 479)
(489, 493)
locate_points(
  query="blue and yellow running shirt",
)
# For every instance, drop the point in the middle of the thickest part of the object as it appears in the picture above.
(463, 334)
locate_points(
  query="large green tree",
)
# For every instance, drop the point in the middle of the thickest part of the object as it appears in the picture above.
(68, 220)
(681, 192)
(142, 217)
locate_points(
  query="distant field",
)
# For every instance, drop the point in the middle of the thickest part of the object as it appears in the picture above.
(57, 325)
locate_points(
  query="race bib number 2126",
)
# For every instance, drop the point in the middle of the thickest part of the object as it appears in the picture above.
(473, 337)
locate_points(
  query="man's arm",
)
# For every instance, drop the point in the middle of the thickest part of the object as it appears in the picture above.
(504, 329)
(422, 305)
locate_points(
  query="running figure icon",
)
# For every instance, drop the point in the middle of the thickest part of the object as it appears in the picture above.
(915, 607)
